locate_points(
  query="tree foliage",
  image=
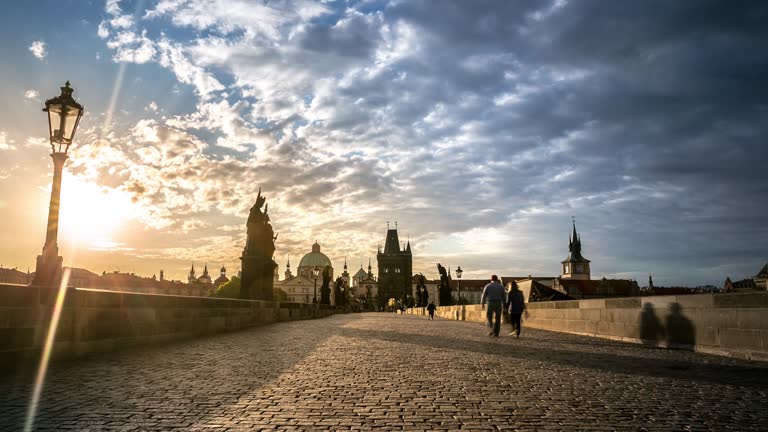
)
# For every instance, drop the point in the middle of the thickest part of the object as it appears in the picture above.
(229, 289)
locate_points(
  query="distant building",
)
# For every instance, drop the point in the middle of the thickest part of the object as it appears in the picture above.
(364, 285)
(395, 268)
(312, 260)
(742, 285)
(759, 282)
(472, 289)
(14, 276)
(302, 287)
(575, 267)
(576, 282)
(299, 289)
(761, 278)
(652, 289)
(222, 279)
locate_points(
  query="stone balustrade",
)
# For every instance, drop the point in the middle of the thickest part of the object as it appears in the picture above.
(724, 324)
(97, 321)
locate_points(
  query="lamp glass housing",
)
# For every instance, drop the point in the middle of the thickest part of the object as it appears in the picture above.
(64, 115)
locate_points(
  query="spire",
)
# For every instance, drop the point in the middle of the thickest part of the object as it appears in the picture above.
(370, 273)
(345, 263)
(205, 270)
(392, 243)
(288, 264)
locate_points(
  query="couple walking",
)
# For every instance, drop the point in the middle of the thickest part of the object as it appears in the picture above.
(495, 295)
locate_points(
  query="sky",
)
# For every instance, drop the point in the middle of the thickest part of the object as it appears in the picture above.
(480, 127)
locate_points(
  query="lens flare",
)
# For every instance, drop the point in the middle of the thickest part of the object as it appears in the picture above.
(46, 354)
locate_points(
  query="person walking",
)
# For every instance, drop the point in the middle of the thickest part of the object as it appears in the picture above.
(431, 309)
(516, 303)
(493, 293)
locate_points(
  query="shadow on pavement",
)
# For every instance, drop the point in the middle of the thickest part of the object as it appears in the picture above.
(755, 375)
(146, 383)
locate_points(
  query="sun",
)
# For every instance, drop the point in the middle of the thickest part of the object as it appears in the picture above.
(90, 215)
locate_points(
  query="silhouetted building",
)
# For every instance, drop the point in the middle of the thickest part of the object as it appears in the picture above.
(13, 276)
(742, 285)
(761, 278)
(395, 268)
(575, 280)
(575, 267)
(221, 280)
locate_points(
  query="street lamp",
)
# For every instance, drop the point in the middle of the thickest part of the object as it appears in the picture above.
(315, 274)
(459, 271)
(64, 115)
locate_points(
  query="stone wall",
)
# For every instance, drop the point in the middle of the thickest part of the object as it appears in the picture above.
(723, 324)
(97, 321)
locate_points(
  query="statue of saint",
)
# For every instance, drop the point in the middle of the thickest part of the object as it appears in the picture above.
(325, 290)
(261, 237)
(445, 286)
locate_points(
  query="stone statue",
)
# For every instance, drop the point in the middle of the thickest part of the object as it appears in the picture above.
(445, 286)
(338, 292)
(261, 237)
(325, 290)
(421, 291)
(257, 263)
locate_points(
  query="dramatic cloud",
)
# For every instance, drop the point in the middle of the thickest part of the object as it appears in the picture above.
(481, 127)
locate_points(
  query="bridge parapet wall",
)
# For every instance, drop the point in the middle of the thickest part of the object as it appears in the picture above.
(97, 321)
(733, 324)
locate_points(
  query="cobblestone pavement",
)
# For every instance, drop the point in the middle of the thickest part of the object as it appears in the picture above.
(393, 372)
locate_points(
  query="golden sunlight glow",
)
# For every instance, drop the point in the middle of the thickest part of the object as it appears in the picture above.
(91, 215)
(45, 356)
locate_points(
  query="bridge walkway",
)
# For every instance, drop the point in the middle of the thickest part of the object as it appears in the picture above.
(380, 371)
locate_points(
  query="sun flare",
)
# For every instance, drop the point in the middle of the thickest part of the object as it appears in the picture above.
(91, 215)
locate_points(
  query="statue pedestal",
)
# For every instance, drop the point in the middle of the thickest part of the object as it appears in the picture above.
(258, 278)
(48, 270)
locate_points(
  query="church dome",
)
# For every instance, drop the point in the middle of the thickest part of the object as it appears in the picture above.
(315, 258)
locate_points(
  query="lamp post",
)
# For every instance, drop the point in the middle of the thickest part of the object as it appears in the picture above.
(64, 115)
(459, 271)
(315, 274)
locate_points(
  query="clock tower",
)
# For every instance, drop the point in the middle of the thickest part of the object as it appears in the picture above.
(575, 267)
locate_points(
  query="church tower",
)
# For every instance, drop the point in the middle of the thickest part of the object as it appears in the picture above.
(288, 274)
(345, 275)
(395, 268)
(575, 266)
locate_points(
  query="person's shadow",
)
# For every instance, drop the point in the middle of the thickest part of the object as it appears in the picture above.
(680, 329)
(651, 329)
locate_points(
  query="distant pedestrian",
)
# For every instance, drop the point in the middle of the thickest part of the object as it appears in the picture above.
(431, 309)
(516, 303)
(493, 293)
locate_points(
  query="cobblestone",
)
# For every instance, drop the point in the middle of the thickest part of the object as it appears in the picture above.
(393, 372)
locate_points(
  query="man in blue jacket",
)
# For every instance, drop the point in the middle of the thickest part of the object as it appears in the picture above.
(494, 294)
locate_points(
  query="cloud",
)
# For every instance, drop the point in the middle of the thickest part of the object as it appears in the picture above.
(482, 123)
(31, 94)
(38, 49)
(5, 142)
